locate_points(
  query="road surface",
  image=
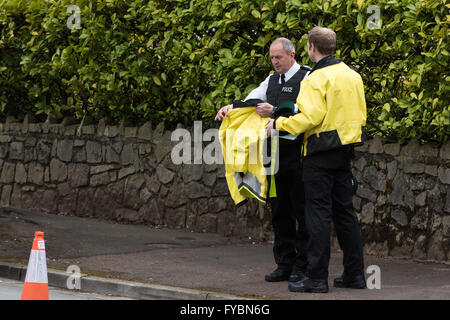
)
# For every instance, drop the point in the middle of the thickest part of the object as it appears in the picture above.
(12, 290)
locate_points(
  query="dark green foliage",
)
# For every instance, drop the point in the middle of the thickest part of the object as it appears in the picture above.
(178, 61)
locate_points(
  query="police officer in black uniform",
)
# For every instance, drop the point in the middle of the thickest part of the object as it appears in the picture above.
(277, 96)
(333, 116)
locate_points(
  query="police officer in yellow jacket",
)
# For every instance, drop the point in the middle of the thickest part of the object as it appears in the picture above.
(276, 92)
(332, 117)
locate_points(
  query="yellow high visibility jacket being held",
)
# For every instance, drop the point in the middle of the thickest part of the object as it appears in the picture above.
(242, 137)
(332, 108)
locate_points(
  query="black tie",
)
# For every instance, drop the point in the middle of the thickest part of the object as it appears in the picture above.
(282, 79)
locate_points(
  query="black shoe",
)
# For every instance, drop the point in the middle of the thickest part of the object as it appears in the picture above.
(279, 274)
(309, 285)
(297, 275)
(355, 282)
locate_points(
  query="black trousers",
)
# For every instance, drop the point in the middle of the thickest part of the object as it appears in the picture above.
(328, 195)
(288, 220)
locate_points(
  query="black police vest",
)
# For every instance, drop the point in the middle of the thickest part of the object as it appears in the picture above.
(277, 93)
(290, 150)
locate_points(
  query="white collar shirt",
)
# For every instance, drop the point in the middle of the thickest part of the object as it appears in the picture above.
(260, 92)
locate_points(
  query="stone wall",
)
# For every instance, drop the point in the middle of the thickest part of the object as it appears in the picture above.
(126, 174)
(403, 200)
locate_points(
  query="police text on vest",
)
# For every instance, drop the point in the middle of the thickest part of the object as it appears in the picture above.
(286, 89)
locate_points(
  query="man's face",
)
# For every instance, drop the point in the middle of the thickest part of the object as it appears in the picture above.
(281, 61)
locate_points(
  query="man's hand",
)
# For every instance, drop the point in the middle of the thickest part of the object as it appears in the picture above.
(223, 112)
(264, 109)
(269, 128)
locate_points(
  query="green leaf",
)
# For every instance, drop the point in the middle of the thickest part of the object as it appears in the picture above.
(156, 80)
(256, 14)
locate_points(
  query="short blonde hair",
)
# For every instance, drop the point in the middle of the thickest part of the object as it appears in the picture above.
(324, 39)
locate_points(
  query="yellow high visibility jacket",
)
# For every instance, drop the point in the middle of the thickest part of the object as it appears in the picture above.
(332, 109)
(242, 137)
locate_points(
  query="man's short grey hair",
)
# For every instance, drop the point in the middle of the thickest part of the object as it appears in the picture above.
(287, 44)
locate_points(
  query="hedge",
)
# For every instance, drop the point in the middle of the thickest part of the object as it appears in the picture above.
(178, 61)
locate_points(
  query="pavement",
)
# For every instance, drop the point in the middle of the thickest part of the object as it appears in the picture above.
(144, 262)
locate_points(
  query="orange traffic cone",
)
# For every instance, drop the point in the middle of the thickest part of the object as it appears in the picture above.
(36, 281)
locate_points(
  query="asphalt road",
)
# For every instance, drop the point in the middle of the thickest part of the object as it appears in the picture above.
(198, 261)
(12, 290)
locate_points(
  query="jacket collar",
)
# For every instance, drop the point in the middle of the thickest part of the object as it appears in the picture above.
(325, 62)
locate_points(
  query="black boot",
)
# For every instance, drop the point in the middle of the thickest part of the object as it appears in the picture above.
(355, 282)
(297, 274)
(279, 274)
(309, 285)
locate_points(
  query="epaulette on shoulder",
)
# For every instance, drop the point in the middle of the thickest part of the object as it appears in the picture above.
(307, 68)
